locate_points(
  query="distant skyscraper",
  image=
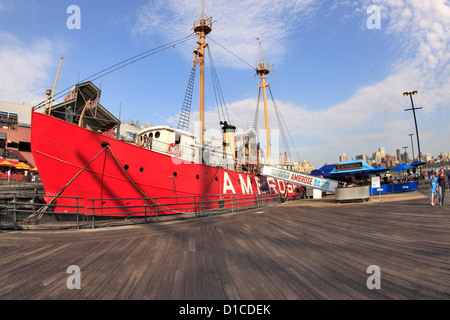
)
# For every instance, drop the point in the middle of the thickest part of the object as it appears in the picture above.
(399, 156)
(406, 157)
(376, 157)
(382, 152)
(343, 157)
(390, 161)
(362, 157)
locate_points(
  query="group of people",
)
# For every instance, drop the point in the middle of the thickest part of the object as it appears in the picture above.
(438, 183)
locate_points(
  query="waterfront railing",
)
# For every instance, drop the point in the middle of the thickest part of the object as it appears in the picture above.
(28, 211)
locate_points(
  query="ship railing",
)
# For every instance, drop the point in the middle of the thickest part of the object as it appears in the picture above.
(235, 202)
(190, 153)
(125, 208)
(212, 156)
(24, 209)
(182, 205)
(31, 212)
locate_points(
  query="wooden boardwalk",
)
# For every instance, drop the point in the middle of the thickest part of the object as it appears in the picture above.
(307, 249)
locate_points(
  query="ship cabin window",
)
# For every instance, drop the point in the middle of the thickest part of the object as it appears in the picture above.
(150, 135)
(69, 114)
(157, 134)
(177, 138)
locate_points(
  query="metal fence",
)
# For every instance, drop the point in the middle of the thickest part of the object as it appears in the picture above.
(26, 212)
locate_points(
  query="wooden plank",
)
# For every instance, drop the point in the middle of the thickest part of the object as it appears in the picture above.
(56, 281)
(148, 265)
(298, 250)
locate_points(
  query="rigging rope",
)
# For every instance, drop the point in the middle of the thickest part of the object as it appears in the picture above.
(248, 64)
(282, 124)
(123, 64)
(220, 100)
(256, 119)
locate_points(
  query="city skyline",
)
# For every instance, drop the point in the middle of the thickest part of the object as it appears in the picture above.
(399, 156)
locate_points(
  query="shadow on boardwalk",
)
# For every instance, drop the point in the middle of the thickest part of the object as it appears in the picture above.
(313, 249)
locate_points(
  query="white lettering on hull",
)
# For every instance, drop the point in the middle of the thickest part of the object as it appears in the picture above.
(245, 184)
(272, 185)
(246, 188)
(227, 185)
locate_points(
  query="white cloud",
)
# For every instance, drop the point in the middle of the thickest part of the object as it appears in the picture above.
(236, 25)
(25, 67)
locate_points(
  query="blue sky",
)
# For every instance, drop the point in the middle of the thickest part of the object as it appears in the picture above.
(337, 82)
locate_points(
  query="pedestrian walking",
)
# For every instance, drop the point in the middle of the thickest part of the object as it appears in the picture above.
(433, 188)
(441, 186)
(448, 179)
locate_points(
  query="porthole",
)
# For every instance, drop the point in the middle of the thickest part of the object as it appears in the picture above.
(175, 174)
(141, 169)
(216, 179)
(197, 176)
(126, 167)
(157, 134)
(150, 134)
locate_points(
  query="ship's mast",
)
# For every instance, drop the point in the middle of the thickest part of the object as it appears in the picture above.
(53, 91)
(262, 69)
(202, 27)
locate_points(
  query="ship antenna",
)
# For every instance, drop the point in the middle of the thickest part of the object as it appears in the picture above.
(202, 27)
(262, 69)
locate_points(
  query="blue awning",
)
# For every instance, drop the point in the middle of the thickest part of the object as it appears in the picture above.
(324, 170)
(402, 167)
(377, 169)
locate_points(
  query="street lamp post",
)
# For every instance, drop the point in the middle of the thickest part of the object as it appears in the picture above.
(412, 145)
(410, 94)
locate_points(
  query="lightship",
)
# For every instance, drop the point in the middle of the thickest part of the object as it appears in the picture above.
(82, 168)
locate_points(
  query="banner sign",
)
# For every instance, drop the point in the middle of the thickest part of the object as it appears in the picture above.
(349, 166)
(300, 178)
(376, 182)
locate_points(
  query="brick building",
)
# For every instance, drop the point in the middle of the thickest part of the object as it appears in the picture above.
(15, 132)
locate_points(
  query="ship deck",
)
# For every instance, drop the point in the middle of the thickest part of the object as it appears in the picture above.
(305, 249)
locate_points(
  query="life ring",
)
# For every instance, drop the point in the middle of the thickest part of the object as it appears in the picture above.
(173, 148)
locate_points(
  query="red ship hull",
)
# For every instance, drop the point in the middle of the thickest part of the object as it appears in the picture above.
(96, 174)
